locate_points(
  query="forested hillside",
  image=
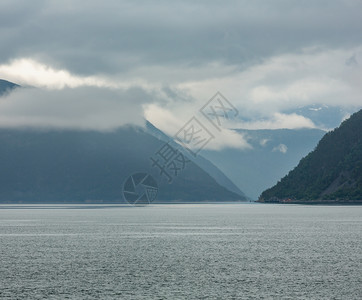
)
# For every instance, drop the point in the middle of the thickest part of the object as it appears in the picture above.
(333, 171)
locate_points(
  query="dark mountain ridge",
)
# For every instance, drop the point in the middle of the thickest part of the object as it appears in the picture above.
(49, 166)
(330, 173)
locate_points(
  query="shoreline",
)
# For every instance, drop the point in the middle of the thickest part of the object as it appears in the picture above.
(314, 202)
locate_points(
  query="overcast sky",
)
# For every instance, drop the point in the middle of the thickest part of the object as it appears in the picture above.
(164, 60)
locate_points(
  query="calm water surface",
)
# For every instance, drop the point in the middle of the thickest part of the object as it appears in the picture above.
(209, 251)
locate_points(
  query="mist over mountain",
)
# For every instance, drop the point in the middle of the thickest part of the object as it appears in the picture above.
(273, 154)
(232, 173)
(332, 172)
(56, 165)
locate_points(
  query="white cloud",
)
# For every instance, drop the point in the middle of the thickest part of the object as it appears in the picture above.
(260, 92)
(29, 72)
(163, 119)
(81, 108)
(170, 123)
(228, 139)
(277, 121)
(314, 75)
(181, 60)
(315, 109)
(263, 142)
(281, 148)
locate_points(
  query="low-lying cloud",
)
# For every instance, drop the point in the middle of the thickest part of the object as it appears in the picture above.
(73, 108)
(171, 123)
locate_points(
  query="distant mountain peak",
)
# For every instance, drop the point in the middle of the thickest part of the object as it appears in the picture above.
(325, 117)
(6, 86)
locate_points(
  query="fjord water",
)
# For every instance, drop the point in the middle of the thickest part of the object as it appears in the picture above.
(208, 251)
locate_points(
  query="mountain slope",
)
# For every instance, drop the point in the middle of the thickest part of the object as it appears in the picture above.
(39, 165)
(205, 164)
(77, 166)
(333, 171)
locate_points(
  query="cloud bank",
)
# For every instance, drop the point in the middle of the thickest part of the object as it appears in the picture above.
(110, 63)
(73, 108)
